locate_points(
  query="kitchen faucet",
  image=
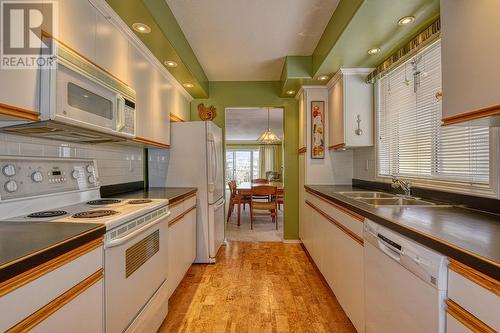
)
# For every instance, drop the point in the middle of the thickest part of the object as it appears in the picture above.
(404, 184)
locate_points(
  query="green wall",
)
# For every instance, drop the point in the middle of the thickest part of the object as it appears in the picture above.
(225, 94)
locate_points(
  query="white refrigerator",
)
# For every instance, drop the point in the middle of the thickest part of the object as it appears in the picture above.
(195, 160)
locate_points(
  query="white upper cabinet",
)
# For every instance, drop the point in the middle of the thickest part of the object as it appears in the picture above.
(111, 48)
(350, 109)
(77, 26)
(470, 54)
(141, 76)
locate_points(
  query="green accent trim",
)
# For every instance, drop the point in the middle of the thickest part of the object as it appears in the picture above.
(166, 40)
(345, 11)
(264, 94)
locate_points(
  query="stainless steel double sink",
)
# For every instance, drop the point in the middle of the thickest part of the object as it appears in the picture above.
(386, 199)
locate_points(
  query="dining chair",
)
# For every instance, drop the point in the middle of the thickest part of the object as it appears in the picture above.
(263, 208)
(232, 198)
(280, 197)
(260, 181)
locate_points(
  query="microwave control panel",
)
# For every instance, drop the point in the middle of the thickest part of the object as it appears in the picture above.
(28, 177)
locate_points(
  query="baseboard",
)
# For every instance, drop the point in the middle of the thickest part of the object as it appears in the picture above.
(292, 241)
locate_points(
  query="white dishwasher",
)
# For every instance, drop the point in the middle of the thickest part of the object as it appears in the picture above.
(405, 284)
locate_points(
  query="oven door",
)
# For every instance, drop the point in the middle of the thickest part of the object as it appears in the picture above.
(135, 267)
(84, 102)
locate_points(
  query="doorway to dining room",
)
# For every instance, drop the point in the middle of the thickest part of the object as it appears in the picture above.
(254, 165)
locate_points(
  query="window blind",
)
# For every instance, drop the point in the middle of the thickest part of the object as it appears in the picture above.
(411, 140)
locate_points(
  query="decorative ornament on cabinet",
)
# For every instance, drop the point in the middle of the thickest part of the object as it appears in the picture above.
(206, 112)
(318, 129)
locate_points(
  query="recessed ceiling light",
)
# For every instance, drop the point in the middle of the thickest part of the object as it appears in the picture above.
(290, 92)
(188, 85)
(141, 27)
(170, 63)
(406, 20)
(323, 77)
(375, 50)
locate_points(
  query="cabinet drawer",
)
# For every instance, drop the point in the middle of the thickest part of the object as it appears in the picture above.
(176, 210)
(82, 314)
(350, 220)
(190, 202)
(454, 326)
(32, 296)
(481, 302)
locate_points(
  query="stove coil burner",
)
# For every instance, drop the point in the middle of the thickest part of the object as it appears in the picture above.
(48, 213)
(92, 214)
(139, 201)
(101, 202)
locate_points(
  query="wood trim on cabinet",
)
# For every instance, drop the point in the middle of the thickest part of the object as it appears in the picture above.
(182, 200)
(148, 142)
(46, 34)
(339, 225)
(466, 318)
(175, 118)
(477, 277)
(356, 216)
(15, 111)
(181, 216)
(47, 267)
(302, 150)
(337, 146)
(489, 111)
(40, 315)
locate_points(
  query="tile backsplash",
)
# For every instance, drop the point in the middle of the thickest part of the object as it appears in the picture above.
(364, 163)
(117, 163)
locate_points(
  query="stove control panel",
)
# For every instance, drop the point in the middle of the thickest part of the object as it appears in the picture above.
(23, 177)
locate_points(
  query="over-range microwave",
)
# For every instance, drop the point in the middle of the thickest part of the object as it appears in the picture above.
(81, 102)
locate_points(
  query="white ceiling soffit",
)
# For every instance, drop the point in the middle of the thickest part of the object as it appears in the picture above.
(247, 124)
(247, 40)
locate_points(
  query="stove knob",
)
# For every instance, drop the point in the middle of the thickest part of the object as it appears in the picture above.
(75, 174)
(37, 177)
(91, 179)
(11, 186)
(90, 168)
(9, 170)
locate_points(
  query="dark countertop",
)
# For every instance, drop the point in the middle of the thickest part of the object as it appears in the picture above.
(469, 236)
(173, 194)
(27, 245)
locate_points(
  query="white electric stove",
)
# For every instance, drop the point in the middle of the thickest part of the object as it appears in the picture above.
(135, 257)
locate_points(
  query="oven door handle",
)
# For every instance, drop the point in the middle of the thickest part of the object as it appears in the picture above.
(119, 241)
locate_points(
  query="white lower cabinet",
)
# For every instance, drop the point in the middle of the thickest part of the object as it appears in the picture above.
(68, 298)
(81, 315)
(473, 300)
(337, 252)
(181, 242)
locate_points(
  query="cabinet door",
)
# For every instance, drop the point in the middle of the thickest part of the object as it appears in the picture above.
(19, 88)
(336, 114)
(161, 110)
(470, 74)
(111, 48)
(302, 121)
(141, 78)
(81, 315)
(77, 26)
(348, 276)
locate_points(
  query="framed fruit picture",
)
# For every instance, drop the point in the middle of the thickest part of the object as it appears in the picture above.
(318, 130)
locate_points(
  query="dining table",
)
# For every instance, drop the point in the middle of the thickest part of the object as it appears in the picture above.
(245, 189)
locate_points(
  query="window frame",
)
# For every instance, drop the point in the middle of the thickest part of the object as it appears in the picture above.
(492, 189)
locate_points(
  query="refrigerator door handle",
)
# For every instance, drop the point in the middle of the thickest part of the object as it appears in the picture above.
(213, 162)
(222, 202)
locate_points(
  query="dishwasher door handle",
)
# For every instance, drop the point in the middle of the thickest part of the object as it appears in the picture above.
(390, 251)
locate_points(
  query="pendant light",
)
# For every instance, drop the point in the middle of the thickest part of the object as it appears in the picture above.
(268, 137)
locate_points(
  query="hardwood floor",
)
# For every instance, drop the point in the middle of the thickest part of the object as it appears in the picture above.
(255, 287)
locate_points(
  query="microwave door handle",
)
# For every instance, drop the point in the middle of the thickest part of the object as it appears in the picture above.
(120, 113)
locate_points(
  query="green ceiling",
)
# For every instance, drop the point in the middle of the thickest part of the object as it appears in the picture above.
(166, 40)
(355, 27)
